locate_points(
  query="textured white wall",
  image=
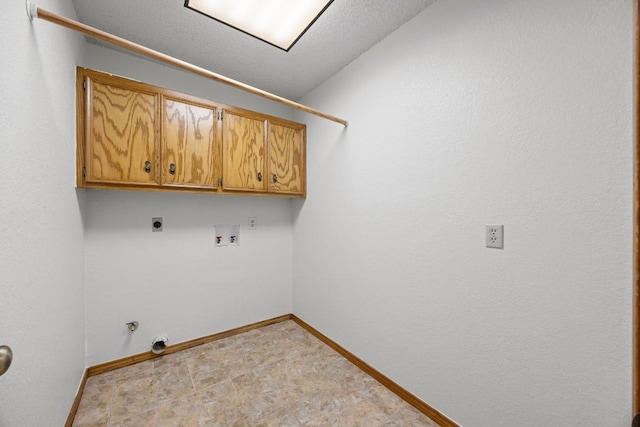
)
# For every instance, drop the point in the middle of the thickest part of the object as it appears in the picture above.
(41, 249)
(156, 73)
(176, 282)
(474, 113)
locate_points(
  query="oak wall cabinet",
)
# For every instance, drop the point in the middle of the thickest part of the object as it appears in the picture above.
(121, 134)
(244, 148)
(136, 136)
(286, 142)
(190, 153)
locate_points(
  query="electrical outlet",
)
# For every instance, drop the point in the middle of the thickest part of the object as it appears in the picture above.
(495, 236)
(253, 223)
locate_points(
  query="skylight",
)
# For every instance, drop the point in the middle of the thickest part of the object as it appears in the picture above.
(277, 22)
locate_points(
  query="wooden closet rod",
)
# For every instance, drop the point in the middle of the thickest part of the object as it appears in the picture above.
(36, 12)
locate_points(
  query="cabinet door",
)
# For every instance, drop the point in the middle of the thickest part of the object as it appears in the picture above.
(287, 158)
(243, 151)
(189, 148)
(121, 133)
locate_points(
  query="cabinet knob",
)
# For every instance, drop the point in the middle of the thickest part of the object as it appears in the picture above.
(5, 358)
(259, 176)
(172, 169)
(275, 178)
(147, 166)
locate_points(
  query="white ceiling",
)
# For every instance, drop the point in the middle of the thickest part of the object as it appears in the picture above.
(345, 30)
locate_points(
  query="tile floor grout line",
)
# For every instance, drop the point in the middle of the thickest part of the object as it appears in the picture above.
(193, 384)
(113, 396)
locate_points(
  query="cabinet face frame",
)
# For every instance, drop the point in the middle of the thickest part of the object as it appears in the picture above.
(137, 96)
(287, 142)
(209, 163)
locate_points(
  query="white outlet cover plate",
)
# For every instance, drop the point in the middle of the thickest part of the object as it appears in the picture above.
(495, 236)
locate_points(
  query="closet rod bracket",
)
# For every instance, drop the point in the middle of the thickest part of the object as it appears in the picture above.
(32, 9)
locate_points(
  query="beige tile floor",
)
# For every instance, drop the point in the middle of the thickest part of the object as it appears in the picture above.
(278, 375)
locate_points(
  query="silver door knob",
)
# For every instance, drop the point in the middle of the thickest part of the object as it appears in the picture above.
(6, 355)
